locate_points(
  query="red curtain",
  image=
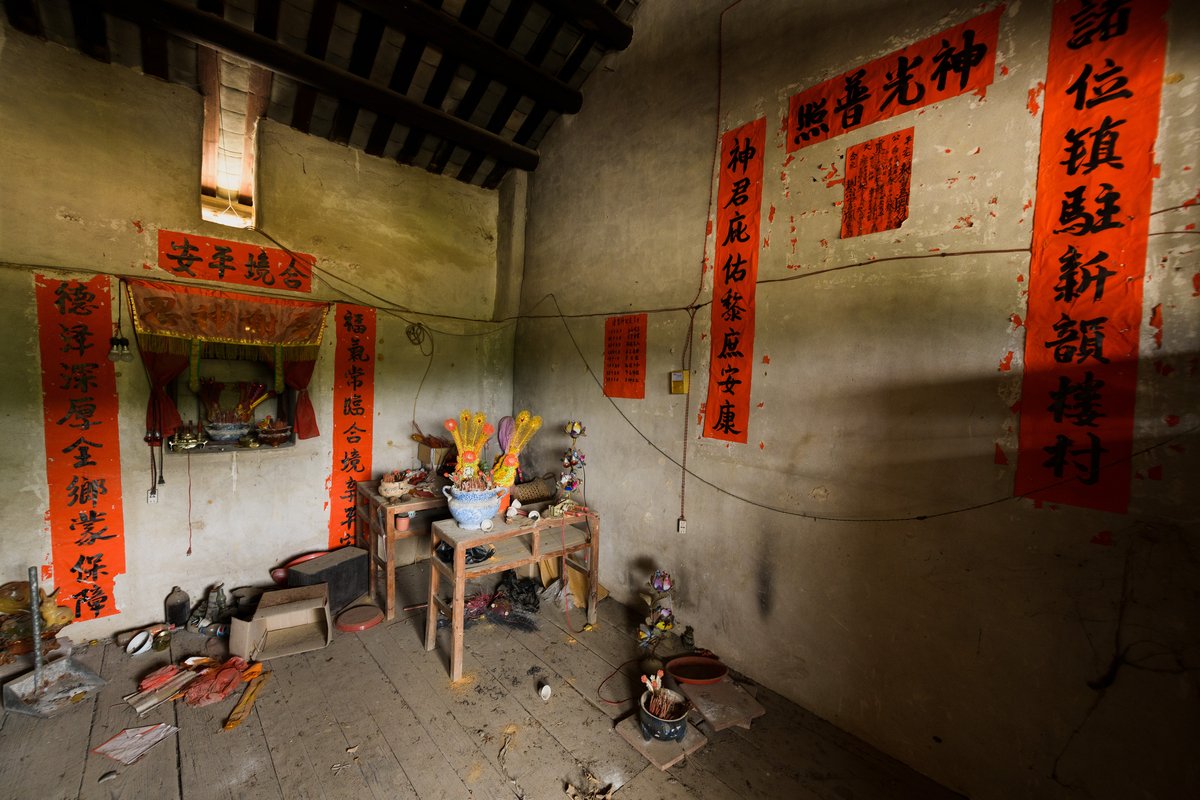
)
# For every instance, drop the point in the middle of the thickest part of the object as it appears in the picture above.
(162, 368)
(297, 374)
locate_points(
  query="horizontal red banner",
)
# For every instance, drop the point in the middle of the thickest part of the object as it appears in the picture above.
(956, 61)
(187, 255)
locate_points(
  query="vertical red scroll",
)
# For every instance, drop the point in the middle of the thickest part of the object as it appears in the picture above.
(625, 356)
(353, 416)
(739, 202)
(1095, 174)
(878, 178)
(83, 443)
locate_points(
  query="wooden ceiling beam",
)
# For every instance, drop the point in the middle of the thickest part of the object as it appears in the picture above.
(320, 26)
(455, 40)
(362, 60)
(402, 75)
(91, 30)
(189, 23)
(155, 58)
(594, 17)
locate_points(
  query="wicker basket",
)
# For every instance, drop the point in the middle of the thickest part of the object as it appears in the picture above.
(536, 490)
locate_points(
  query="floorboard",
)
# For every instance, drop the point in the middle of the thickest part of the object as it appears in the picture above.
(375, 716)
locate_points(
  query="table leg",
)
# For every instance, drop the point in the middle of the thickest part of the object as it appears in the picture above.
(457, 612)
(593, 570)
(432, 610)
(390, 579)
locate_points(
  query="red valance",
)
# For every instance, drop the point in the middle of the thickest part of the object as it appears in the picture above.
(193, 313)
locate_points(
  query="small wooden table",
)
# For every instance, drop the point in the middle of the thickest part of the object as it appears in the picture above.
(518, 544)
(375, 524)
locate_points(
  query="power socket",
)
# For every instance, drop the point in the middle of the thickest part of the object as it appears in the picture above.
(151, 497)
(682, 525)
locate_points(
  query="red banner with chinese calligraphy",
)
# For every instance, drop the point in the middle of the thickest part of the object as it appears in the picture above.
(353, 416)
(83, 443)
(1095, 175)
(956, 61)
(186, 255)
(878, 178)
(739, 201)
(625, 356)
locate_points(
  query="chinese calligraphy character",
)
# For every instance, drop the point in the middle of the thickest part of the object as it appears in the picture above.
(901, 85)
(258, 268)
(1101, 151)
(740, 157)
(80, 377)
(88, 568)
(729, 348)
(726, 419)
(1078, 221)
(89, 523)
(83, 454)
(1077, 402)
(85, 491)
(352, 406)
(737, 231)
(1075, 277)
(730, 378)
(1098, 19)
(960, 62)
(357, 352)
(94, 597)
(222, 259)
(74, 299)
(741, 193)
(810, 120)
(353, 322)
(731, 301)
(733, 269)
(80, 411)
(1104, 90)
(184, 257)
(1061, 449)
(351, 461)
(75, 338)
(1078, 340)
(850, 104)
(353, 433)
(292, 276)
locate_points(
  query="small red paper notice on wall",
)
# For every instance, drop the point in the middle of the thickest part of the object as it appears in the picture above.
(353, 416)
(878, 177)
(1090, 222)
(625, 356)
(956, 61)
(739, 211)
(83, 443)
(186, 255)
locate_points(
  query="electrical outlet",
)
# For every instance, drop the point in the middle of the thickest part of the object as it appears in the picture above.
(151, 497)
(682, 525)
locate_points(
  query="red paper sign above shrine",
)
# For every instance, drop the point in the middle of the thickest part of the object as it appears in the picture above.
(186, 255)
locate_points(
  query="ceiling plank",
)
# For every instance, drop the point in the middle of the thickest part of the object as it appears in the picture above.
(266, 18)
(362, 59)
(456, 40)
(402, 75)
(208, 68)
(23, 15)
(508, 103)
(189, 23)
(506, 31)
(258, 98)
(91, 30)
(435, 94)
(594, 17)
(319, 29)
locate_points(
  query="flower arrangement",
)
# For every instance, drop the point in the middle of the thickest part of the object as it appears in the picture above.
(471, 432)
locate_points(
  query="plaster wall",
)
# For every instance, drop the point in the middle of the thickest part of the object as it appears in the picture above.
(96, 159)
(863, 553)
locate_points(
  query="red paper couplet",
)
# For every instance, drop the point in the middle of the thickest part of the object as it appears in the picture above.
(353, 416)
(739, 201)
(956, 61)
(186, 255)
(1095, 175)
(625, 356)
(878, 177)
(83, 443)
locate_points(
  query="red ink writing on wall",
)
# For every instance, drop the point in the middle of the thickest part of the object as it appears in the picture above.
(186, 255)
(625, 356)
(353, 416)
(878, 177)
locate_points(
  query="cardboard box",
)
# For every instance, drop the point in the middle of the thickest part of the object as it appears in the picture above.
(431, 457)
(287, 622)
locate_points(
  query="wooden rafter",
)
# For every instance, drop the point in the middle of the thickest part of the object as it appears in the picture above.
(362, 59)
(155, 57)
(23, 15)
(456, 40)
(208, 68)
(91, 29)
(206, 29)
(594, 17)
(402, 75)
(319, 28)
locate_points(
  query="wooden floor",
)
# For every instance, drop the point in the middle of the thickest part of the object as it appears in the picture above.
(383, 709)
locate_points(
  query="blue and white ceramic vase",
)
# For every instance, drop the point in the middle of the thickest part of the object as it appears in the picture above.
(470, 509)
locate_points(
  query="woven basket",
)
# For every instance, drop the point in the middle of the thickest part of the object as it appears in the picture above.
(536, 490)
